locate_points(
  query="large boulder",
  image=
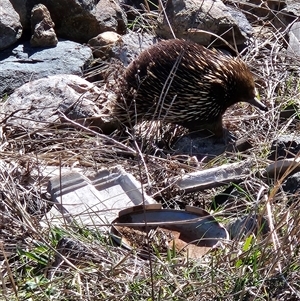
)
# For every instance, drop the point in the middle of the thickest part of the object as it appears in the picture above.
(203, 21)
(10, 25)
(47, 101)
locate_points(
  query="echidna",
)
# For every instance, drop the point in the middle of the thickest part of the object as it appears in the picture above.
(184, 83)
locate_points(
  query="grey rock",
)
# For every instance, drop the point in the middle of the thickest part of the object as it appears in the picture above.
(285, 146)
(22, 8)
(10, 25)
(81, 20)
(256, 10)
(133, 43)
(291, 111)
(287, 15)
(291, 187)
(118, 53)
(44, 101)
(197, 19)
(247, 225)
(292, 184)
(241, 21)
(43, 34)
(103, 43)
(24, 63)
(110, 16)
(204, 146)
(294, 40)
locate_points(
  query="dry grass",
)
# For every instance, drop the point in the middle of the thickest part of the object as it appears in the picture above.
(75, 263)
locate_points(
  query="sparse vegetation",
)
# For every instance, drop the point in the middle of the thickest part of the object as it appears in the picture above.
(37, 262)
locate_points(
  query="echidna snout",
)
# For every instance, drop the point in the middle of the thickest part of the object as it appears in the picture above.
(256, 103)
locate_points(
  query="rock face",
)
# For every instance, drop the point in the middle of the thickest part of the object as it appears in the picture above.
(42, 26)
(24, 63)
(42, 102)
(10, 25)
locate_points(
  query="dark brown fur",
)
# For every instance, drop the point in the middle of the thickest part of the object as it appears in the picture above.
(184, 83)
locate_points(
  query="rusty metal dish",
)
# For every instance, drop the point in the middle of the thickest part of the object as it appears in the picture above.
(192, 231)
